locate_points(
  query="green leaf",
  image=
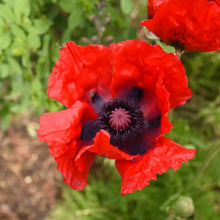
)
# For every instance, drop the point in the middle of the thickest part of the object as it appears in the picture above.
(5, 39)
(166, 48)
(75, 18)
(66, 36)
(126, 6)
(46, 43)
(36, 86)
(34, 41)
(4, 71)
(22, 7)
(14, 65)
(39, 26)
(18, 32)
(9, 3)
(18, 51)
(69, 5)
(5, 122)
(26, 62)
(2, 26)
(6, 13)
(26, 22)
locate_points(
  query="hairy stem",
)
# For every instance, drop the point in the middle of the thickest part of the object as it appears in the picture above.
(205, 165)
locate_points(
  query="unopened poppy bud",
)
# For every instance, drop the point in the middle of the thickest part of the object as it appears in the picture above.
(184, 207)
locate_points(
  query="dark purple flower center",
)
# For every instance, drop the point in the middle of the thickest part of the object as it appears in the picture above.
(123, 119)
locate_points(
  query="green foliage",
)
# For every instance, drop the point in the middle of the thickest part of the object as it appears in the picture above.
(25, 47)
(29, 34)
(126, 6)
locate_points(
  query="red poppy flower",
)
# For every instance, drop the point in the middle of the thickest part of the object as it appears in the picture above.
(118, 100)
(192, 25)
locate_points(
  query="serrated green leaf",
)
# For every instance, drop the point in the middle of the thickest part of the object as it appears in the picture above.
(6, 13)
(27, 22)
(17, 48)
(22, 7)
(126, 6)
(34, 41)
(18, 32)
(38, 26)
(41, 25)
(14, 65)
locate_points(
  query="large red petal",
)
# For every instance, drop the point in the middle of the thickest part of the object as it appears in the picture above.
(73, 176)
(59, 128)
(154, 105)
(175, 81)
(137, 174)
(137, 63)
(78, 70)
(180, 23)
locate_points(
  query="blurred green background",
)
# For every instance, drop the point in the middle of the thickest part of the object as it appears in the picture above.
(31, 34)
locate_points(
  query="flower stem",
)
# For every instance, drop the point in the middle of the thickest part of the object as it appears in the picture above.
(204, 165)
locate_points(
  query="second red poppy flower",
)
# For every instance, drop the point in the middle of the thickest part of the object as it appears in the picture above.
(192, 25)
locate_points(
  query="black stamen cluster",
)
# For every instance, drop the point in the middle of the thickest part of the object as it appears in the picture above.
(136, 127)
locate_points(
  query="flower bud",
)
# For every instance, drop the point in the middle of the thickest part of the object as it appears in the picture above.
(184, 207)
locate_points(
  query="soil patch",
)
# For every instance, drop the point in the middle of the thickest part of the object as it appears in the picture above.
(29, 180)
